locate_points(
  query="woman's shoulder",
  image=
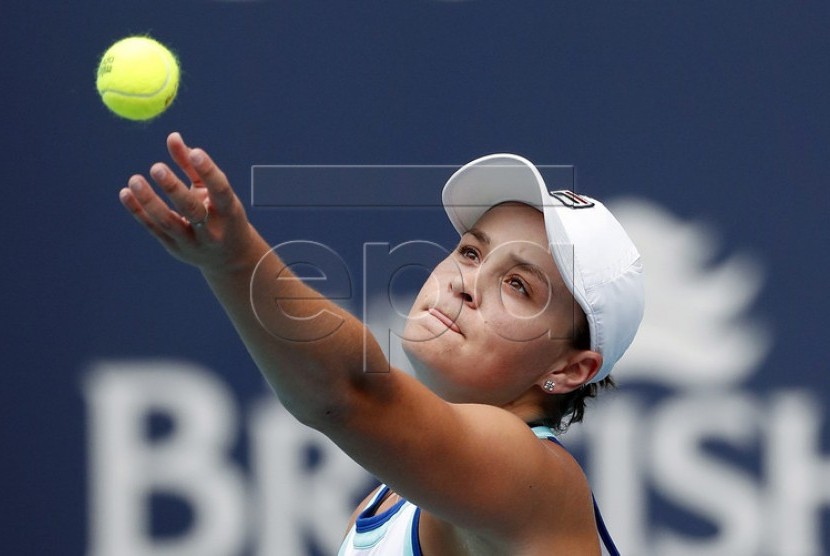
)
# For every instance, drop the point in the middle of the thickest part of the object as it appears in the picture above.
(552, 507)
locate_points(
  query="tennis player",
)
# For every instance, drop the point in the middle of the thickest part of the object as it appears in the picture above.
(509, 337)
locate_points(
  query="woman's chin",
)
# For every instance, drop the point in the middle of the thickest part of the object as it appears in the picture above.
(432, 378)
(423, 371)
(410, 349)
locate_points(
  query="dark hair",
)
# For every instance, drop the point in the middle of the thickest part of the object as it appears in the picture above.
(563, 410)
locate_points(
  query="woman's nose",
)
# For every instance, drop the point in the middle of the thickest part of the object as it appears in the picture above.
(464, 287)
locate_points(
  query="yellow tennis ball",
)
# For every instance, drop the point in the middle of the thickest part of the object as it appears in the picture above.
(138, 78)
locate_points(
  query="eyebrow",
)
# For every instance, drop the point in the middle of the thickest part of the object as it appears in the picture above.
(479, 235)
(532, 268)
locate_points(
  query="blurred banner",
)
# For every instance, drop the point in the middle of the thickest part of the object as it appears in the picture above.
(135, 423)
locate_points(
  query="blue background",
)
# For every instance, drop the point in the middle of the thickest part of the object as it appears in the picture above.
(716, 110)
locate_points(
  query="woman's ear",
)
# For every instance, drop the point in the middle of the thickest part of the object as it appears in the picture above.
(578, 369)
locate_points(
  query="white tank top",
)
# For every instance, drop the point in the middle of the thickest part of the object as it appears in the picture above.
(393, 532)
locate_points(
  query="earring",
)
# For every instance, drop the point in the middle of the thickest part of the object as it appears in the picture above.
(549, 386)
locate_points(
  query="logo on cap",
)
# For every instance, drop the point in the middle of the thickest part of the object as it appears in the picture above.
(571, 199)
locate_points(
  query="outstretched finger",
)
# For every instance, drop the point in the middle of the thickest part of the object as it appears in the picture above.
(164, 219)
(219, 190)
(129, 201)
(188, 203)
(179, 150)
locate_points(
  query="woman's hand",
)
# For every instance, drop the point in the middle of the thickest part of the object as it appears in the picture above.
(206, 225)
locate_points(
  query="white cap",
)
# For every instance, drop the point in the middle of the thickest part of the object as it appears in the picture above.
(597, 260)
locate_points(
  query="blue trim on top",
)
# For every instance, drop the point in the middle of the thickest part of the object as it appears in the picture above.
(367, 521)
(416, 538)
(601, 528)
(603, 531)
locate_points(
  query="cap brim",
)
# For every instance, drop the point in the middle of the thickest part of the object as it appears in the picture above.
(480, 185)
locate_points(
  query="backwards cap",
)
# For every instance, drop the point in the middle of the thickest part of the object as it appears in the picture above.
(597, 260)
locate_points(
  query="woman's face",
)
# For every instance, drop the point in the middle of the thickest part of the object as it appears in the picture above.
(494, 316)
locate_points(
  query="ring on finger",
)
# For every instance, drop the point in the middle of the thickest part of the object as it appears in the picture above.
(201, 222)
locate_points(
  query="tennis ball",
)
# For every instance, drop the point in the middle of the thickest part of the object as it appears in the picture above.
(138, 78)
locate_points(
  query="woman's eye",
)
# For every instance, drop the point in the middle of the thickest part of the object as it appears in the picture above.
(517, 285)
(468, 253)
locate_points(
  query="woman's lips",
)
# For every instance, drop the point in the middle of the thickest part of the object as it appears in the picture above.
(448, 322)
